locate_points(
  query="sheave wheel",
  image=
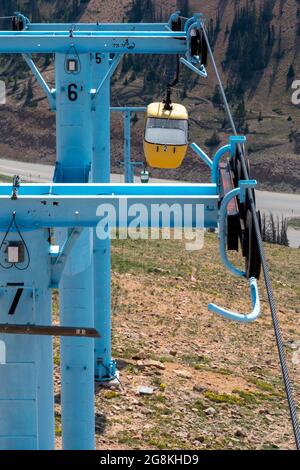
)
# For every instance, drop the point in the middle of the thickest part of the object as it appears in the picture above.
(252, 255)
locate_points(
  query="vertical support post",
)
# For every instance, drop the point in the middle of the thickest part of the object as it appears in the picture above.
(74, 158)
(104, 365)
(26, 379)
(129, 172)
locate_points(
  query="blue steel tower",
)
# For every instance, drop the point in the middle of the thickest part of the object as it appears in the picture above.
(47, 232)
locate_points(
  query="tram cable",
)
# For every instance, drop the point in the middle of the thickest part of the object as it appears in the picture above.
(272, 303)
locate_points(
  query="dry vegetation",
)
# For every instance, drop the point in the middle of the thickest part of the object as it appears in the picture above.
(217, 384)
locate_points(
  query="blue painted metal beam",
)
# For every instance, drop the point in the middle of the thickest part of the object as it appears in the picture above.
(26, 384)
(135, 42)
(230, 148)
(59, 262)
(204, 157)
(49, 93)
(75, 140)
(128, 164)
(113, 66)
(97, 26)
(241, 317)
(199, 71)
(102, 72)
(72, 211)
(129, 173)
(96, 190)
(69, 206)
(124, 109)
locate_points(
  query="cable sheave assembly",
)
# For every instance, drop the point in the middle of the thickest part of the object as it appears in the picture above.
(272, 303)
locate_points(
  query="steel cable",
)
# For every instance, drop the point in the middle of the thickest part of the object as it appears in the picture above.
(277, 330)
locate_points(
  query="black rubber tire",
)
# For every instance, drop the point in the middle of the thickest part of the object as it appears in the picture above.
(233, 233)
(251, 250)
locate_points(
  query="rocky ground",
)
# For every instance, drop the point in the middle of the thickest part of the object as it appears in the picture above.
(213, 384)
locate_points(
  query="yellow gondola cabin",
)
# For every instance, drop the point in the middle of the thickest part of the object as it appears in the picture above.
(166, 135)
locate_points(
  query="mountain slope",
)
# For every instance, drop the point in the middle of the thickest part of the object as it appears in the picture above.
(257, 65)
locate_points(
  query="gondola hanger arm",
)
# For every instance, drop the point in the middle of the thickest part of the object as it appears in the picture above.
(239, 317)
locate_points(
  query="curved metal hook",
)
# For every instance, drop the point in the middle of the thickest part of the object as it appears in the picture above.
(239, 317)
(237, 192)
(201, 71)
(223, 232)
(23, 17)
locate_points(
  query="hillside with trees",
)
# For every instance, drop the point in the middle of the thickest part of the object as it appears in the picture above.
(256, 44)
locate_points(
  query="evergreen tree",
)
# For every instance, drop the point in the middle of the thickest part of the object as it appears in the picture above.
(251, 39)
(290, 76)
(141, 11)
(214, 140)
(29, 94)
(240, 114)
(184, 7)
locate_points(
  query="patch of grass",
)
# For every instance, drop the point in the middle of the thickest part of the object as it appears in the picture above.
(177, 412)
(294, 223)
(161, 359)
(255, 397)
(160, 442)
(270, 447)
(238, 397)
(224, 371)
(126, 438)
(5, 179)
(56, 360)
(160, 405)
(159, 398)
(164, 440)
(55, 303)
(223, 398)
(199, 405)
(110, 394)
(262, 385)
(247, 397)
(196, 361)
(156, 381)
(131, 369)
(124, 264)
(58, 430)
(129, 351)
(147, 256)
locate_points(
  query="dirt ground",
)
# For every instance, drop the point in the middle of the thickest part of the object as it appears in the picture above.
(216, 384)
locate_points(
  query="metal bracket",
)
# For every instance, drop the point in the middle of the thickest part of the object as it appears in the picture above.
(26, 20)
(51, 94)
(111, 372)
(237, 192)
(114, 64)
(128, 164)
(233, 141)
(236, 140)
(201, 71)
(249, 317)
(173, 17)
(61, 259)
(239, 317)
(244, 185)
(204, 157)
